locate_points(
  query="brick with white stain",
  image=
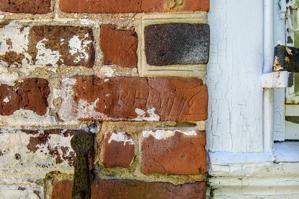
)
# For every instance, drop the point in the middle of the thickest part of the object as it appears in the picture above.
(29, 46)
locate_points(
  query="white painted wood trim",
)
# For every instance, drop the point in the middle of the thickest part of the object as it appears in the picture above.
(234, 76)
(275, 80)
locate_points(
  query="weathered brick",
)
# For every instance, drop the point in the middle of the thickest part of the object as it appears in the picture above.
(119, 46)
(134, 98)
(26, 6)
(173, 152)
(117, 150)
(31, 94)
(34, 153)
(130, 189)
(173, 44)
(132, 6)
(106, 189)
(28, 46)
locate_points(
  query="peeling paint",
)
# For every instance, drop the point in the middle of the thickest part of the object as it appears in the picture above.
(6, 99)
(164, 134)
(79, 48)
(20, 38)
(121, 137)
(46, 56)
(149, 115)
(34, 152)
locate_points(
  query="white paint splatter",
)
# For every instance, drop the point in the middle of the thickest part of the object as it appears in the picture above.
(7, 77)
(79, 47)
(164, 134)
(150, 115)
(46, 56)
(17, 42)
(6, 99)
(38, 163)
(121, 137)
(26, 117)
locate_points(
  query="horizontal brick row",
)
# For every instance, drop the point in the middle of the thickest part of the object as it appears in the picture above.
(104, 6)
(48, 45)
(112, 99)
(129, 189)
(132, 6)
(134, 99)
(163, 151)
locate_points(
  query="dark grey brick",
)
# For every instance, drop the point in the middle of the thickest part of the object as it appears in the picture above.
(171, 44)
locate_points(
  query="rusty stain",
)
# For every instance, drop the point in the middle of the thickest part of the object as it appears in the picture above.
(277, 65)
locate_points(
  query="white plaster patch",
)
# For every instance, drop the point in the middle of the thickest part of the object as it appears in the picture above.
(7, 77)
(26, 117)
(6, 99)
(29, 163)
(121, 137)
(79, 47)
(88, 110)
(46, 56)
(67, 109)
(15, 38)
(150, 115)
(164, 134)
(20, 191)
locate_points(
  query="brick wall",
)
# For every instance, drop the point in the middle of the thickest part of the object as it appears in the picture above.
(129, 72)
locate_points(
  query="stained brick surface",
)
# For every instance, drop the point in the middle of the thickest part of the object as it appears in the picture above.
(26, 6)
(172, 44)
(47, 45)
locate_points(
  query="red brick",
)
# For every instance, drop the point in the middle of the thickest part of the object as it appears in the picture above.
(26, 6)
(118, 150)
(46, 45)
(173, 152)
(62, 189)
(100, 6)
(58, 38)
(31, 94)
(119, 46)
(135, 98)
(131, 189)
(131, 6)
(174, 5)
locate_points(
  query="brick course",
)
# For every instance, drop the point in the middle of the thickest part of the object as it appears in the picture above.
(138, 99)
(132, 6)
(132, 72)
(130, 189)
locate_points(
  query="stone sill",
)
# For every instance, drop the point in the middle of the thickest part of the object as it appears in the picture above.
(284, 159)
(255, 175)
